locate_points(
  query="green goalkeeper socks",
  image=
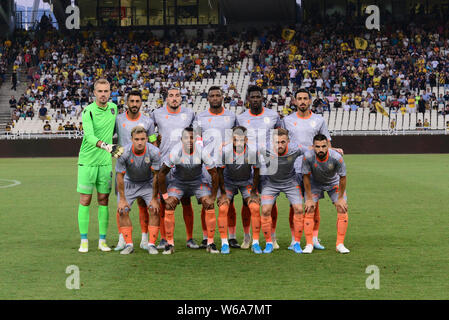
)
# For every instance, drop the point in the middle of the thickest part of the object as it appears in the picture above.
(83, 220)
(103, 220)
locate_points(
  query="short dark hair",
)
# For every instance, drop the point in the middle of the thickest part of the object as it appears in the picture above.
(319, 137)
(134, 93)
(187, 129)
(213, 88)
(239, 130)
(302, 90)
(254, 88)
(281, 132)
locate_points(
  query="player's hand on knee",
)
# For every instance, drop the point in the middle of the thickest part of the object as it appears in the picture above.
(222, 200)
(309, 206)
(342, 205)
(208, 202)
(114, 149)
(154, 206)
(123, 207)
(171, 203)
(339, 150)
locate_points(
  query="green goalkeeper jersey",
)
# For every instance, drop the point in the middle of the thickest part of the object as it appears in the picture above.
(98, 124)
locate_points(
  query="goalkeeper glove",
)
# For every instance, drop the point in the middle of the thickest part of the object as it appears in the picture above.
(114, 149)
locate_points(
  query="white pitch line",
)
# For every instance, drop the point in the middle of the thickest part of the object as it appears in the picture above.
(13, 183)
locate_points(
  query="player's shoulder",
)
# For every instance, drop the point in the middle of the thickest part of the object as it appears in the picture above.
(270, 112)
(187, 110)
(121, 117)
(317, 117)
(229, 113)
(335, 155)
(112, 105)
(127, 151)
(152, 148)
(309, 155)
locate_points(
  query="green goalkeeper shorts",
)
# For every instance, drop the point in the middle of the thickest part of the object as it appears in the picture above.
(99, 177)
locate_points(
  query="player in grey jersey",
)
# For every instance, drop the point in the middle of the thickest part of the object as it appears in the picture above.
(324, 170)
(240, 171)
(137, 173)
(171, 119)
(259, 121)
(186, 179)
(302, 126)
(124, 123)
(212, 125)
(282, 155)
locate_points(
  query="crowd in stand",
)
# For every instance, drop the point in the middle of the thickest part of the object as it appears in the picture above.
(397, 63)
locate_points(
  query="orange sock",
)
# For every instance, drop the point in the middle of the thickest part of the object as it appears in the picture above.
(128, 234)
(266, 227)
(203, 223)
(210, 222)
(144, 217)
(118, 222)
(169, 222)
(290, 220)
(274, 218)
(162, 223)
(187, 213)
(152, 234)
(298, 223)
(223, 221)
(254, 208)
(342, 226)
(316, 219)
(246, 219)
(308, 227)
(232, 219)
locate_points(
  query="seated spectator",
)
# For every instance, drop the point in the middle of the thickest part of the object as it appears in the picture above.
(68, 126)
(12, 102)
(60, 128)
(47, 127)
(43, 112)
(426, 124)
(80, 127)
(447, 125)
(59, 116)
(419, 124)
(29, 113)
(8, 127)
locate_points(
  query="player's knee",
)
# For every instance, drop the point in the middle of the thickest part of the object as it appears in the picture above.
(85, 199)
(297, 209)
(266, 211)
(103, 199)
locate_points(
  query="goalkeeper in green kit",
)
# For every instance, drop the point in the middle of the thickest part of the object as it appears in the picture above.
(95, 162)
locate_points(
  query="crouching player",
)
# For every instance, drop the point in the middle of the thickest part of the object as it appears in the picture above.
(240, 172)
(137, 172)
(186, 180)
(280, 177)
(324, 170)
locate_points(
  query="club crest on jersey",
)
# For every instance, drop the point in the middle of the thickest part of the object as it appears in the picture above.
(147, 159)
(313, 124)
(183, 116)
(141, 124)
(330, 166)
(266, 120)
(112, 111)
(289, 159)
(226, 119)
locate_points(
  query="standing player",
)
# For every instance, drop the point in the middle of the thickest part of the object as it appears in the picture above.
(171, 119)
(187, 179)
(211, 124)
(137, 171)
(324, 170)
(280, 157)
(302, 126)
(259, 121)
(240, 172)
(95, 163)
(124, 124)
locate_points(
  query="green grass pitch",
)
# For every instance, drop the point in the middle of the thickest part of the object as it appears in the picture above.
(398, 221)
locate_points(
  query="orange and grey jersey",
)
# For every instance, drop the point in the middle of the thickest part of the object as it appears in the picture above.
(137, 167)
(327, 172)
(239, 167)
(259, 125)
(280, 168)
(213, 125)
(124, 125)
(170, 126)
(188, 167)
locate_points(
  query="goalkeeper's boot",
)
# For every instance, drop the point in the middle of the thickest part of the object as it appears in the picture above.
(342, 249)
(128, 249)
(120, 244)
(103, 246)
(84, 246)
